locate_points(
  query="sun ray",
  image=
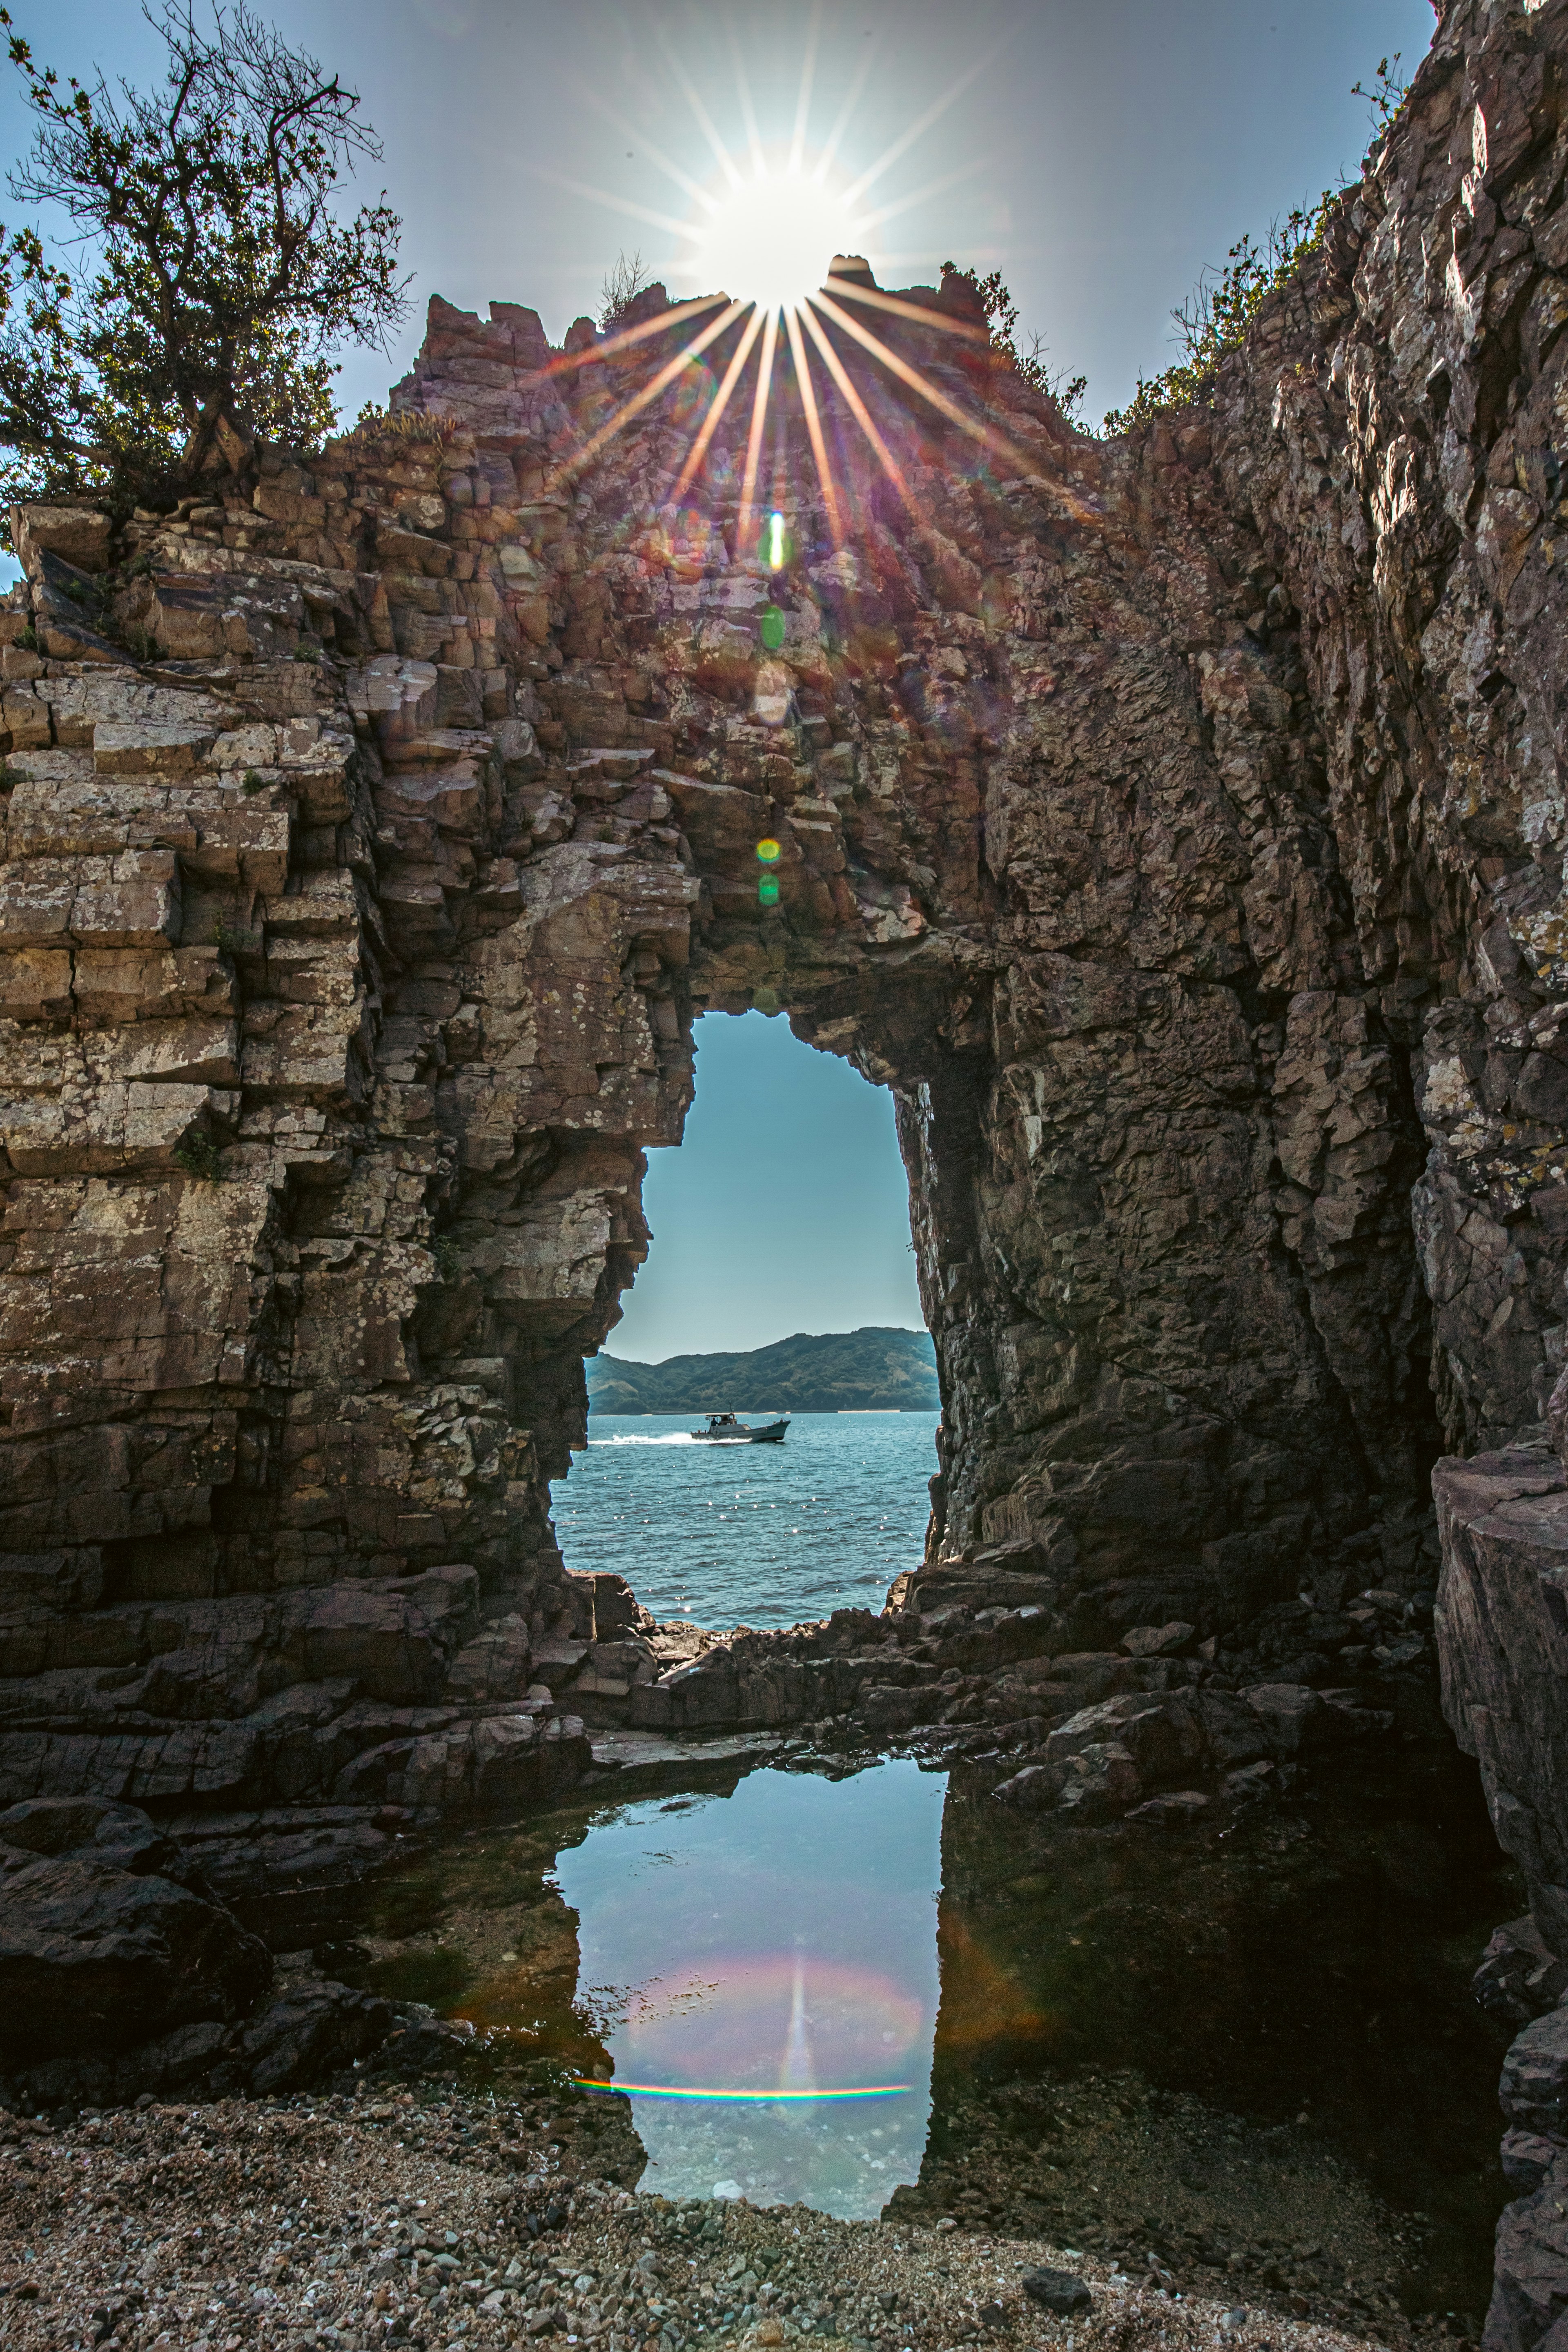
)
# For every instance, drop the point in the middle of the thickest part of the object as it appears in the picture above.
(638, 130)
(923, 122)
(705, 122)
(986, 434)
(613, 204)
(743, 92)
(923, 195)
(759, 419)
(649, 393)
(720, 401)
(807, 75)
(814, 429)
(861, 76)
(860, 413)
(849, 291)
(613, 346)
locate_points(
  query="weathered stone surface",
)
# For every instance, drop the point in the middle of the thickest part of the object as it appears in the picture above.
(1529, 2293)
(93, 1958)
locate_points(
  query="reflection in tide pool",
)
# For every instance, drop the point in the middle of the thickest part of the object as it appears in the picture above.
(779, 1940)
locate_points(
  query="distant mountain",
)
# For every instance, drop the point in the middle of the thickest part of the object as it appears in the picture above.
(830, 1372)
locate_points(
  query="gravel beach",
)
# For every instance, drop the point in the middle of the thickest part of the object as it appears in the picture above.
(436, 2218)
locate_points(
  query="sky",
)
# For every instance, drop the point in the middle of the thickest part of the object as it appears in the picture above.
(784, 1210)
(1100, 156)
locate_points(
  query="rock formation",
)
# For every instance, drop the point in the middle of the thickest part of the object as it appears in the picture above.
(1176, 824)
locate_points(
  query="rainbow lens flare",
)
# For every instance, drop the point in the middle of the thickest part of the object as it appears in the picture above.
(750, 2098)
(771, 627)
(767, 891)
(774, 541)
(768, 852)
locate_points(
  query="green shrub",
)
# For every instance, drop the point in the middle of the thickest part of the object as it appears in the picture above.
(1002, 317)
(1215, 316)
(448, 1258)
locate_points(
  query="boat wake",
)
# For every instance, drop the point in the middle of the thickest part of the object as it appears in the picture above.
(671, 1437)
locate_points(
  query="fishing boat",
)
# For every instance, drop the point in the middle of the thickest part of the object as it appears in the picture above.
(723, 1429)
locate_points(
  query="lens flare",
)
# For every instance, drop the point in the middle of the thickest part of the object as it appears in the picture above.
(768, 851)
(771, 234)
(750, 2098)
(775, 542)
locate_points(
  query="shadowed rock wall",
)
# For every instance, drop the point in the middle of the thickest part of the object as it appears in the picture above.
(1174, 824)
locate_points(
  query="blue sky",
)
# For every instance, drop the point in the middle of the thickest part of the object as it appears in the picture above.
(785, 1210)
(1100, 156)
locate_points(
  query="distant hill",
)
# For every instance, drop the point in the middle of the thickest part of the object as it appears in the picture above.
(830, 1372)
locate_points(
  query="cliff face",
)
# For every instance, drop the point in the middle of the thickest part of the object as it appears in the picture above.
(1174, 824)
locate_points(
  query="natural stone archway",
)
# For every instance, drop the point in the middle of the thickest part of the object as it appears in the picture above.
(1174, 823)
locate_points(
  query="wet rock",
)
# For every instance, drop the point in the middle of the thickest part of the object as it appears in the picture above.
(1062, 2293)
(310, 2033)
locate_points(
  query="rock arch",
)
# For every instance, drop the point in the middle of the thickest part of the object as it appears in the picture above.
(1173, 823)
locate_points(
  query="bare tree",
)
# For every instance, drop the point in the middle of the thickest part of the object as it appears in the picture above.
(620, 290)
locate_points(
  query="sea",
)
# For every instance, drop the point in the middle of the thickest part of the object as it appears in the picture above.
(750, 1535)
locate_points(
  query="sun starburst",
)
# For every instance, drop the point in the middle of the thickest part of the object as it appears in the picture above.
(772, 225)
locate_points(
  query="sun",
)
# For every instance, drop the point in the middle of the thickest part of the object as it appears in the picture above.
(770, 236)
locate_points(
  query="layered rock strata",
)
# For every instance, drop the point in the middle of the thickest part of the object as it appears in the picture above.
(1174, 824)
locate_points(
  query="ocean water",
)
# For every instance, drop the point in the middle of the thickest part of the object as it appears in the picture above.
(750, 1535)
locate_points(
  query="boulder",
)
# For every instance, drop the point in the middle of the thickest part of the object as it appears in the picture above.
(1158, 1641)
(1533, 2091)
(1160, 1737)
(1529, 2288)
(1294, 1720)
(95, 1957)
(1032, 1790)
(1062, 2293)
(121, 1834)
(1519, 1977)
(1527, 2157)
(80, 534)
(1100, 1781)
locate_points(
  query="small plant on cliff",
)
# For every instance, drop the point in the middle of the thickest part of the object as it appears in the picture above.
(448, 1258)
(1002, 317)
(216, 273)
(1388, 92)
(620, 290)
(199, 1156)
